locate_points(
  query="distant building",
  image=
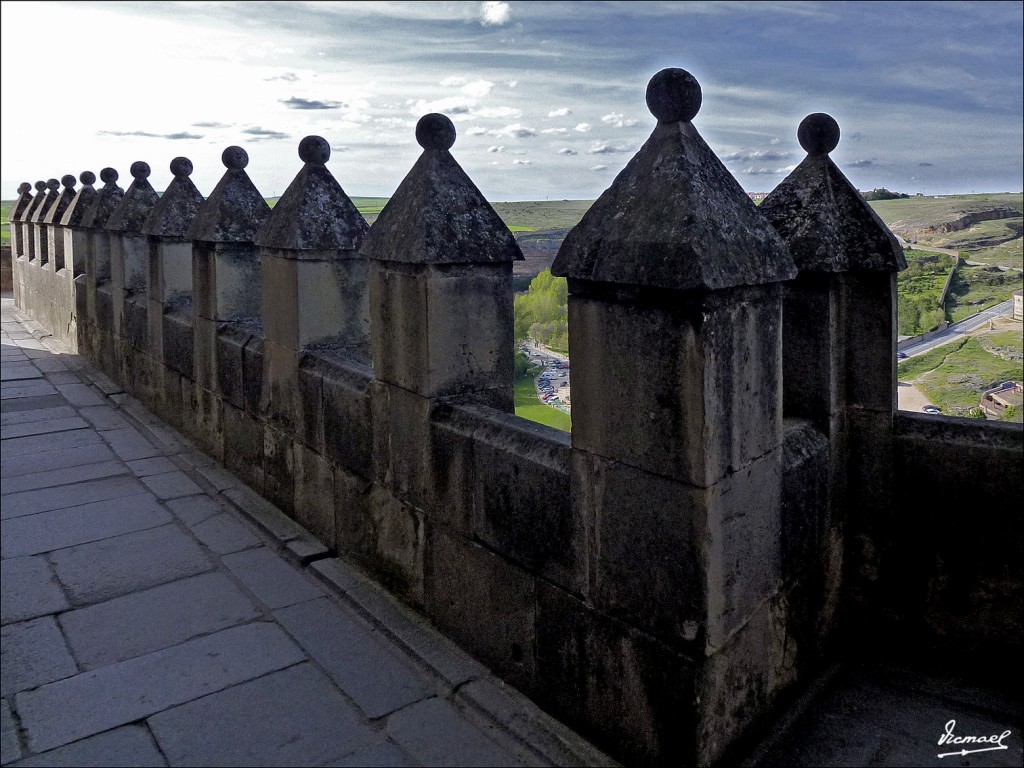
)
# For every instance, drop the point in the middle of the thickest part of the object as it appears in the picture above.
(1018, 305)
(995, 401)
(757, 196)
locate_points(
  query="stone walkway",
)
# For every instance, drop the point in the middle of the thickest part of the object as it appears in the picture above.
(156, 611)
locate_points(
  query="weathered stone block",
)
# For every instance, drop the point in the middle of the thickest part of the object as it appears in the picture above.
(485, 604)
(620, 688)
(452, 431)
(805, 497)
(401, 442)
(352, 512)
(740, 682)
(175, 270)
(136, 323)
(243, 446)
(348, 434)
(231, 341)
(178, 341)
(281, 401)
(522, 506)
(813, 364)
(314, 494)
(252, 367)
(702, 400)
(311, 406)
(647, 565)
(870, 329)
(741, 547)
(279, 469)
(421, 340)
(394, 548)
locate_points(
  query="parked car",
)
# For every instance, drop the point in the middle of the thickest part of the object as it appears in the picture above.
(932, 409)
(901, 355)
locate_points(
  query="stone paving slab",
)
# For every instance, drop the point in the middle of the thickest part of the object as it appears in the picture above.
(63, 497)
(30, 589)
(33, 653)
(96, 701)
(271, 579)
(64, 476)
(131, 562)
(291, 717)
(37, 414)
(364, 667)
(61, 528)
(154, 619)
(129, 746)
(42, 427)
(433, 731)
(92, 453)
(219, 631)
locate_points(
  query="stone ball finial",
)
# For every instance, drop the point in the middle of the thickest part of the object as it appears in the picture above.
(68, 181)
(673, 96)
(40, 186)
(52, 184)
(181, 167)
(818, 133)
(87, 177)
(234, 158)
(435, 131)
(24, 187)
(140, 170)
(108, 176)
(314, 149)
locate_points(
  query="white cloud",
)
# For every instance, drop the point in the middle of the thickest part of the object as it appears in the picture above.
(747, 156)
(478, 88)
(517, 130)
(774, 140)
(450, 105)
(494, 148)
(603, 148)
(599, 167)
(618, 120)
(583, 128)
(476, 131)
(498, 113)
(512, 83)
(560, 112)
(556, 131)
(567, 151)
(494, 14)
(522, 162)
(453, 82)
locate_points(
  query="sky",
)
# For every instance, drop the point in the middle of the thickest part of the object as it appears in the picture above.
(547, 97)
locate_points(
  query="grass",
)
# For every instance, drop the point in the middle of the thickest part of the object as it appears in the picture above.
(975, 289)
(955, 375)
(528, 406)
(5, 229)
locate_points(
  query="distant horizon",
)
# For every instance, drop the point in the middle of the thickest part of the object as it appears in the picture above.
(548, 99)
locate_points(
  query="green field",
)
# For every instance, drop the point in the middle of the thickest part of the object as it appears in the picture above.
(955, 375)
(920, 289)
(997, 241)
(528, 406)
(976, 288)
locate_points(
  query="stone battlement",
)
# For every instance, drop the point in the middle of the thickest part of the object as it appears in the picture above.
(738, 502)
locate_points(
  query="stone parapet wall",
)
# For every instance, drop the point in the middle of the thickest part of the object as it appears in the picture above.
(735, 487)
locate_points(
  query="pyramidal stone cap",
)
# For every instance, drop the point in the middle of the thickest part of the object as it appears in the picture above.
(35, 202)
(827, 224)
(56, 213)
(46, 203)
(437, 215)
(674, 218)
(135, 206)
(235, 210)
(22, 202)
(178, 206)
(83, 200)
(314, 213)
(105, 201)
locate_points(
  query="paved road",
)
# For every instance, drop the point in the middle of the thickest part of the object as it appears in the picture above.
(956, 330)
(156, 611)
